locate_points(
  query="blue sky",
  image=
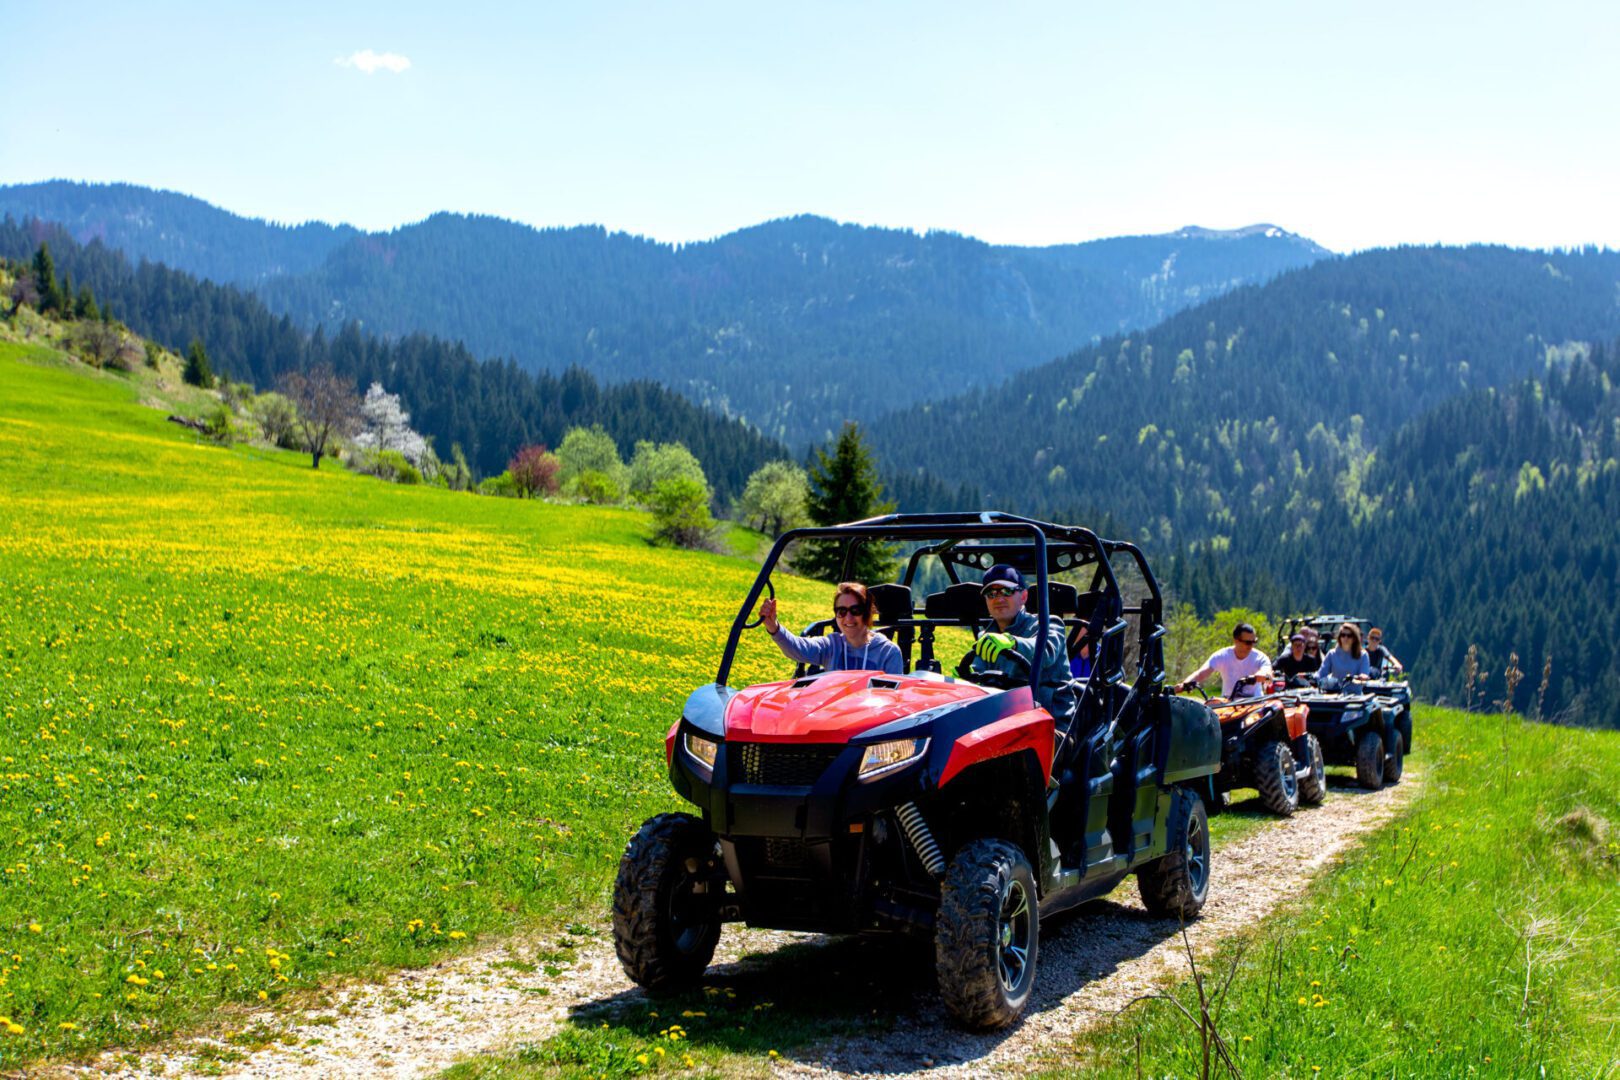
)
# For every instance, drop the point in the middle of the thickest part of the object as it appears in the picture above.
(1358, 125)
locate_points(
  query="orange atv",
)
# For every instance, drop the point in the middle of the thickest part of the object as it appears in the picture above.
(1264, 745)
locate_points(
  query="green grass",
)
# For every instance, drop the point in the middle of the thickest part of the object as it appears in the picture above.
(1479, 934)
(261, 726)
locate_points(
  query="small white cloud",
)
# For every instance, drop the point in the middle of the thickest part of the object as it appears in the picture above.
(373, 62)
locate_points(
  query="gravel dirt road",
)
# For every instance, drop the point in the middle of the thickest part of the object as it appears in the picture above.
(1092, 963)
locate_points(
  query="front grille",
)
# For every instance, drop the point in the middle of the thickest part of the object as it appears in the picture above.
(788, 765)
(785, 853)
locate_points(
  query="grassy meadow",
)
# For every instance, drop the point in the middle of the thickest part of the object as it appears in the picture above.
(261, 725)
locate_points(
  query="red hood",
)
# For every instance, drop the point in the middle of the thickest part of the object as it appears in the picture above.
(835, 707)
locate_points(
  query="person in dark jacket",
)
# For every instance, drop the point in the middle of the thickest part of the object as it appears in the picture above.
(1020, 631)
(856, 646)
(1296, 661)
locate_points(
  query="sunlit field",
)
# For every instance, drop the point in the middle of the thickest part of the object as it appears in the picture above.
(260, 725)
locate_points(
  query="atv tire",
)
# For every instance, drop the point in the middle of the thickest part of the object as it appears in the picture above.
(1395, 760)
(664, 928)
(1313, 785)
(1274, 776)
(1177, 883)
(1370, 760)
(987, 935)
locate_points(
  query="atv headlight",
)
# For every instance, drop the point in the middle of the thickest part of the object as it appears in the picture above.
(701, 750)
(886, 757)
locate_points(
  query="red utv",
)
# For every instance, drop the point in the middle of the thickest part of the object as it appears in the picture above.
(954, 808)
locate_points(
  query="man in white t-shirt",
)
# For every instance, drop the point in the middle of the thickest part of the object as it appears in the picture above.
(1241, 661)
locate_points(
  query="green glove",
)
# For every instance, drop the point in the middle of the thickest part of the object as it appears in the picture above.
(989, 647)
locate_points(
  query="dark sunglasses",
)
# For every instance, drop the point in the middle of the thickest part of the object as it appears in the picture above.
(1347, 637)
(1246, 640)
(854, 609)
(997, 591)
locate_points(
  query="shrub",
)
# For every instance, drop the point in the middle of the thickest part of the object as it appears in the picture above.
(590, 450)
(680, 507)
(534, 470)
(502, 486)
(596, 487)
(154, 354)
(217, 425)
(390, 465)
(654, 462)
(277, 418)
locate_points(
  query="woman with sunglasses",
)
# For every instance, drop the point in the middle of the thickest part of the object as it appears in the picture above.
(856, 646)
(1346, 661)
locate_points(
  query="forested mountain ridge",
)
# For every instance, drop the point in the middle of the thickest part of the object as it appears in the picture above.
(491, 408)
(1231, 408)
(794, 324)
(178, 230)
(1492, 520)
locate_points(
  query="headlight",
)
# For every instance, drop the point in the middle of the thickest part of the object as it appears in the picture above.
(885, 757)
(701, 750)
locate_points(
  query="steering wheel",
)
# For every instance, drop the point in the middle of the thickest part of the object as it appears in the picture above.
(999, 680)
(770, 588)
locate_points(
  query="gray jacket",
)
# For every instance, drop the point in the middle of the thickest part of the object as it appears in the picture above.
(833, 652)
(1056, 691)
(1341, 665)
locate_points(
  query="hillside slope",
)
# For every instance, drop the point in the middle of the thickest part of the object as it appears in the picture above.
(794, 324)
(489, 408)
(264, 726)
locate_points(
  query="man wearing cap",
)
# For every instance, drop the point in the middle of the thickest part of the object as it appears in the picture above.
(1017, 630)
(1296, 662)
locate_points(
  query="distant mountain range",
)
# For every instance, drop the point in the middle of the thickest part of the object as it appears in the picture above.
(793, 325)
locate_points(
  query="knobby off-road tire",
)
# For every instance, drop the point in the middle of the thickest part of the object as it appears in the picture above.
(1274, 777)
(987, 935)
(1313, 785)
(664, 937)
(1370, 760)
(1395, 759)
(1178, 883)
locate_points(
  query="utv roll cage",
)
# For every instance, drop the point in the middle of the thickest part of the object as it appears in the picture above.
(974, 542)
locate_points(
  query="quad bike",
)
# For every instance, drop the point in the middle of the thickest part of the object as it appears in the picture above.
(954, 809)
(1265, 745)
(1364, 724)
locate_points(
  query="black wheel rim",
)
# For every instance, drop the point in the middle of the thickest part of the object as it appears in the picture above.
(1015, 931)
(687, 926)
(1197, 853)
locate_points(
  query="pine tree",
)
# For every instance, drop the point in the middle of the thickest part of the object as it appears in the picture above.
(197, 371)
(86, 307)
(50, 289)
(844, 487)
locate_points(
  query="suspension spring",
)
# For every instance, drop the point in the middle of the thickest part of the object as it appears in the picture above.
(922, 841)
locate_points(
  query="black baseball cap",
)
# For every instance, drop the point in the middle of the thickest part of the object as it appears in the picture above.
(1002, 574)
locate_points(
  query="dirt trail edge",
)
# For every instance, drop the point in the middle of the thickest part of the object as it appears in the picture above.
(418, 1022)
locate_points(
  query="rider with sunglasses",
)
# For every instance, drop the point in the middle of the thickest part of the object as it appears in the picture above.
(1019, 630)
(856, 646)
(1347, 661)
(1242, 661)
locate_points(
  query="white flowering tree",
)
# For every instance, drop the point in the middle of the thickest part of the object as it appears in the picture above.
(388, 427)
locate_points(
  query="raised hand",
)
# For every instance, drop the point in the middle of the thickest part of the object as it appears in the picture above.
(767, 612)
